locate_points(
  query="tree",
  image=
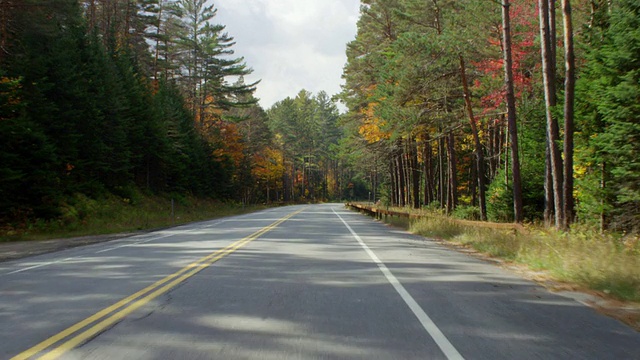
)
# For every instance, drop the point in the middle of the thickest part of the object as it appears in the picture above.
(511, 112)
(205, 65)
(569, 98)
(609, 89)
(476, 139)
(305, 131)
(554, 194)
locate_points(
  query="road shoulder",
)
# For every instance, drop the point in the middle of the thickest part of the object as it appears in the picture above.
(21, 249)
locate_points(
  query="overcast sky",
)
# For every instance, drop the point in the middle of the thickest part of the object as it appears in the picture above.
(291, 44)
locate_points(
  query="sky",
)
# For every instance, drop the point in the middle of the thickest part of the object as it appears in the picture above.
(290, 44)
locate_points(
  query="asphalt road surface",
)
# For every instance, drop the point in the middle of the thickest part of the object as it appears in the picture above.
(297, 282)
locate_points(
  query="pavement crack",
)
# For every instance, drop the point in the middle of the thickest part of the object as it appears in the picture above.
(98, 334)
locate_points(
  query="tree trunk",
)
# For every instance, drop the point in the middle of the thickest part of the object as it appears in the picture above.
(442, 194)
(452, 194)
(569, 95)
(552, 39)
(428, 173)
(472, 185)
(547, 51)
(501, 139)
(415, 175)
(511, 113)
(494, 149)
(285, 184)
(92, 15)
(407, 175)
(548, 214)
(401, 181)
(156, 55)
(476, 140)
(506, 155)
(394, 182)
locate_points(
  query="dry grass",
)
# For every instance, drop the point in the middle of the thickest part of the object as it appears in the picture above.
(602, 262)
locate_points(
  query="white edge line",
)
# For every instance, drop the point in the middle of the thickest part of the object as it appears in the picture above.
(38, 266)
(134, 243)
(440, 339)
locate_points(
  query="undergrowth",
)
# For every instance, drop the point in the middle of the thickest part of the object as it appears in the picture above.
(113, 214)
(605, 262)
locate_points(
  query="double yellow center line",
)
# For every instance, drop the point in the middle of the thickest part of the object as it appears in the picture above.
(79, 333)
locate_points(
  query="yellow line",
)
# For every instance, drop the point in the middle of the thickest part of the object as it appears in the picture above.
(147, 294)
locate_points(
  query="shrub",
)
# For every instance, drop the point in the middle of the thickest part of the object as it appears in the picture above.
(466, 212)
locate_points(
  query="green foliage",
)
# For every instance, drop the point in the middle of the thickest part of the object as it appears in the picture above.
(466, 212)
(499, 200)
(307, 132)
(82, 215)
(500, 196)
(204, 53)
(608, 112)
(80, 119)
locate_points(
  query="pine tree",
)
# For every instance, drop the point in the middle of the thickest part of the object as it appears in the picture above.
(610, 112)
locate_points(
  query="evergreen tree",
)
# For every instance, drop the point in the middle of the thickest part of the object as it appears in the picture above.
(610, 88)
(206, 64)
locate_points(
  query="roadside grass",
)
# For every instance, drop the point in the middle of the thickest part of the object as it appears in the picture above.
(607, 262)
(85, 216)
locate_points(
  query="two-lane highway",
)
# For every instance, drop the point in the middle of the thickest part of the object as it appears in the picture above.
(297, 282)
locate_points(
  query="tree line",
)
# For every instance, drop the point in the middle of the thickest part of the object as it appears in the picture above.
(506, 110)
(117, 97)
(485, 109)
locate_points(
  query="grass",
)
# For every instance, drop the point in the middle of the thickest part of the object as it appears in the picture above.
(85, 216)
(609, 263)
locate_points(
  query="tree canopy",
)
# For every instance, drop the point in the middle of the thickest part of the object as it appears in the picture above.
(461, 106)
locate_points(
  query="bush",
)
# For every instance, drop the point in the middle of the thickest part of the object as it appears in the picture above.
(499, 200)
(466, 212)
(129, 194)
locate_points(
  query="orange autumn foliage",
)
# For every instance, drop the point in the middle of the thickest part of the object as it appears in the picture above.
(230, 142)
(269, 165)
(371, 127)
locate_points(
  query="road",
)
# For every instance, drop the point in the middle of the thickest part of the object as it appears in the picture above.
(296, 282)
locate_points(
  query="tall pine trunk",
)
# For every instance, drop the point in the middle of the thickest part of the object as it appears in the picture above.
(415, 175)
(546, 10)
(452, 193)
(428, 172)
(511, 114)
(569, 95)
(553, 188)
(394, 184)
(401, 180)
(442, 194)
(476, 139)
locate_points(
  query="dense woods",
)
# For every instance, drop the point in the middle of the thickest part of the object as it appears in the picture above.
(485, 109)
(488, 110)
(114, 97)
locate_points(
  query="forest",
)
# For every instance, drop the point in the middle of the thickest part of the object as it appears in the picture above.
(106, 98)
(507, 111)
(500, 110)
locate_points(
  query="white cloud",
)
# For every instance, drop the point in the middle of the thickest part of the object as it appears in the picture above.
(291, 44)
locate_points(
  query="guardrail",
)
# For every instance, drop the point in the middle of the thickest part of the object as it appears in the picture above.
(379, 213)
